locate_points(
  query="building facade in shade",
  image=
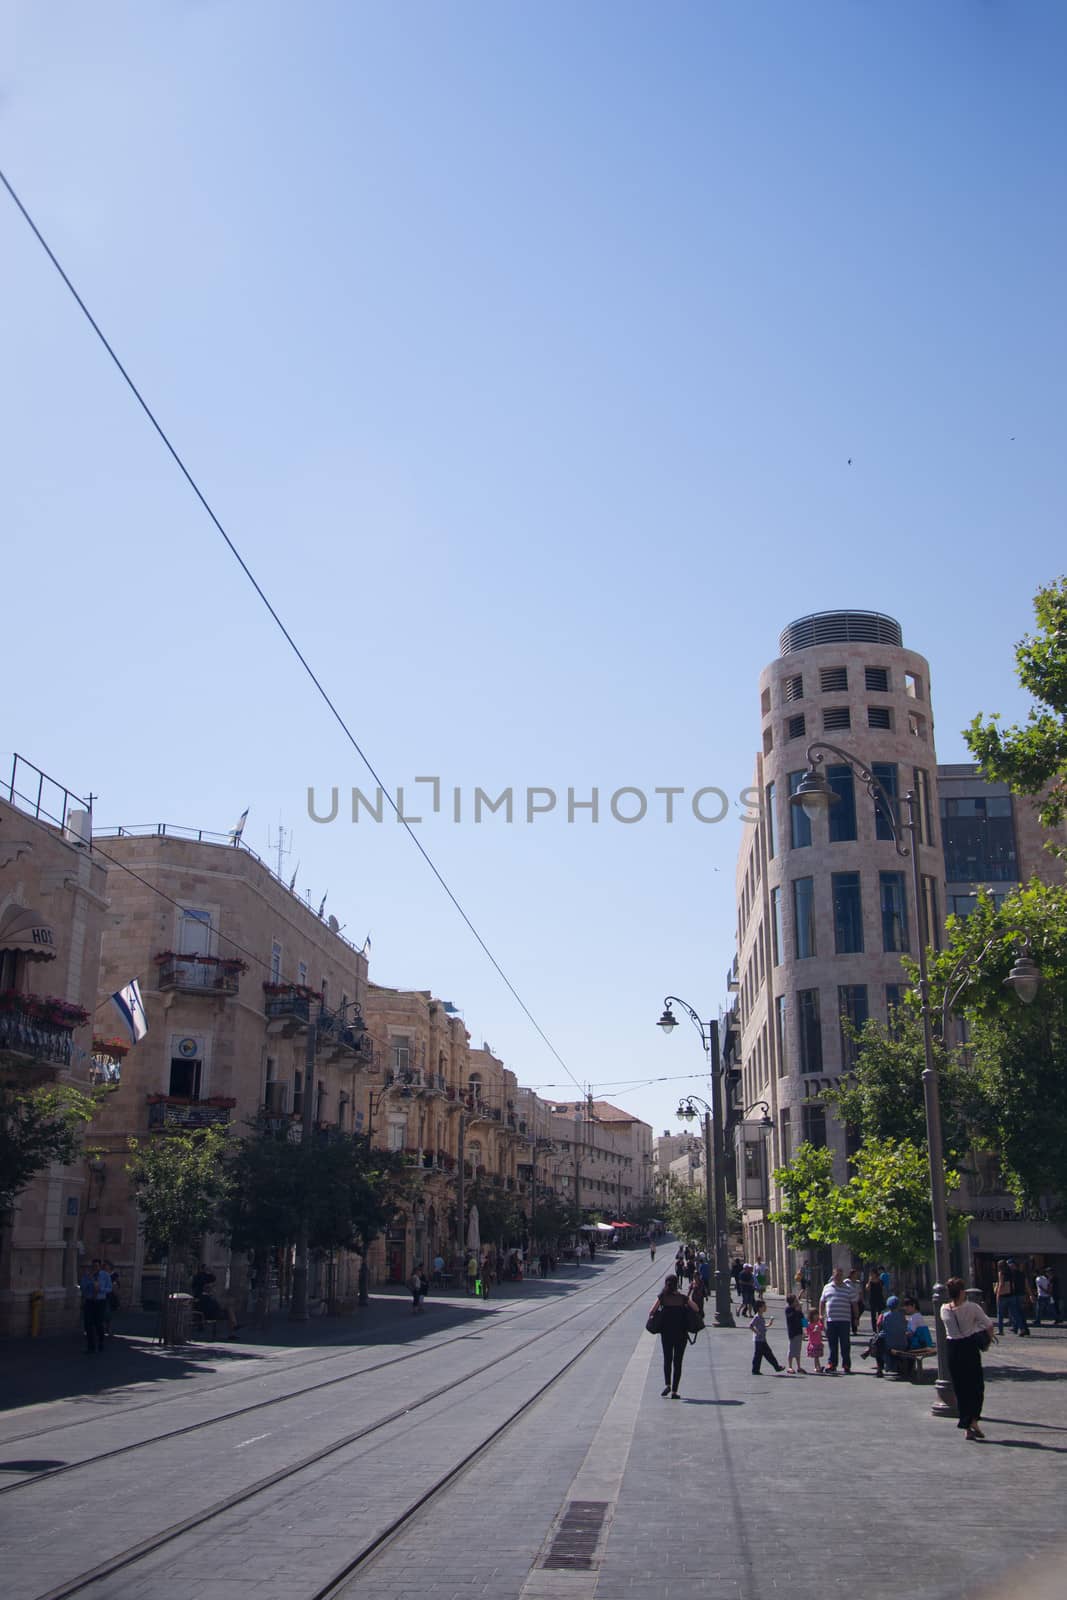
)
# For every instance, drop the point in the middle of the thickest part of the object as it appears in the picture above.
(824, 909)
(52, 907)
(604, 1157)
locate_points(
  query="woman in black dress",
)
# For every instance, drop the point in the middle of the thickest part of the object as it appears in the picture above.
(674, 1311)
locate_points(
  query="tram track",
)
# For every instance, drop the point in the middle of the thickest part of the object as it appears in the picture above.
(145, 1548)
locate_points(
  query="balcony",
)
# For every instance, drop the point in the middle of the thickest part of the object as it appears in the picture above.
(288, 1008)
(176, 1114)
(36, 1029)
(341, 1042)
(209, 975)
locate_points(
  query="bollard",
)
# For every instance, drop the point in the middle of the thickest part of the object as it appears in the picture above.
(36, 1303)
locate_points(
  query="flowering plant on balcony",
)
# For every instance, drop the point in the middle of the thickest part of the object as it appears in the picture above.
(301, 990)
(44, 1008)
(114, 1049)
(223, 1102)
(232, 964)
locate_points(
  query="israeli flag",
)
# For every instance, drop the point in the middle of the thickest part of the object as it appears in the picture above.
(235, 833)
(130, 1007)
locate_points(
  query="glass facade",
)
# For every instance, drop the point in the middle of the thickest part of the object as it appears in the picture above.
(886, 773)
(804, 917)
(813, 1124)
(779, 1029)
(776, 925)
(852, 1009)
(772, 824)
(848, 913)
(894, 911)
(978, 836)
(922, 796)
(809, 1030)
(931, 921)
(799, 826)
(842, 823)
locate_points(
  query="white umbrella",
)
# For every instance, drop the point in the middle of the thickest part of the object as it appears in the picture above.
(474, 1238)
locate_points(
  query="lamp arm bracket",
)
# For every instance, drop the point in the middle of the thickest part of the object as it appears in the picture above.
(818, 752)
(675, 1000)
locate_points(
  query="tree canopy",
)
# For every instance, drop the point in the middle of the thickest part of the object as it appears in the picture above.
(38, 1125)
(181, 1183)
(1032, 757)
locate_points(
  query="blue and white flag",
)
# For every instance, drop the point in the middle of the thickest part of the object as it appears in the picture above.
(235, 833)
(130, 1007)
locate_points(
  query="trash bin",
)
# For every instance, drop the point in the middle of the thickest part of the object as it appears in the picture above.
(176, 1321)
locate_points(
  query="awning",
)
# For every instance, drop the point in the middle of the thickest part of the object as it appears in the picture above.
(605, 1227)
(28, 932)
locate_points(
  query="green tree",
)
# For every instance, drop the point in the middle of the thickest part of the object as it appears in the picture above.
(181, 1183)
(555, 1218)
(885, 1213)
(811, 1211)
(1032, 758)
(38, 1126)
(501, 1219)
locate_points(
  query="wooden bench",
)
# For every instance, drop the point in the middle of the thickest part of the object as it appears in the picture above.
(198, 1325)
(915, 1358)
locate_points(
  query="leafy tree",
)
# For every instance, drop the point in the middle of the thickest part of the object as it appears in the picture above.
(554, 1218)
(181, 1183)
(501, 1219)
(38, 1125)
(687, 1214)
(885, 1211)
(1016, 1056)
(1032, 758)
(811, 1210)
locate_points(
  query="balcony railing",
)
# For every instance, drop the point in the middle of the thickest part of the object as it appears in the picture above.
(173, 1112)
(193, 975)
(28, 1031)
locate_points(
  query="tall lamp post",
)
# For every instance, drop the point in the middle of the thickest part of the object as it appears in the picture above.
(715, 1183)
(815, 797)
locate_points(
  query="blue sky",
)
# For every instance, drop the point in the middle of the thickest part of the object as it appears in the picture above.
(521, 349)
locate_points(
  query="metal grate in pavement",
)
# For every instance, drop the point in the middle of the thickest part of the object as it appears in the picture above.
(576, 1537)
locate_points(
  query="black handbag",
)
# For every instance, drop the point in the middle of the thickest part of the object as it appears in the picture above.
(694, 1323)
(655, 1319)
(983, 1338)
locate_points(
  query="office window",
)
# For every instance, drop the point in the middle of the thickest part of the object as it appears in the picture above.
(194, 932)
(779, 1034)
(813, 1124)
(930, 919)
(879, 717)
(785, 1137)
(978, 835)
(886, 773)
(836, 717)
(795, 727)
(402, 1055)
(961, 905)
(804, 917)
(848, 913)
(913, 686)
(916, 725)
(302, 972)
(894, 996)
(768, 741)
(809, 1030)
(275, 962)
(833, 680)
(776, 926)
(793, 687)
(876, 680)
(185, 1077)
(922, 806)
(772, 822)
(799, 826)
(852, 1009)
(765, 702)
(842, 823)
(894, 911)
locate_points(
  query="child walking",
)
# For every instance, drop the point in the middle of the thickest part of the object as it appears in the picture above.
(816, 1339)
(794, 1327)
(760, 1348)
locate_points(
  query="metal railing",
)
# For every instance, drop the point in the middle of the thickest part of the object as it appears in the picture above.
(197, 977)
(25, 1035)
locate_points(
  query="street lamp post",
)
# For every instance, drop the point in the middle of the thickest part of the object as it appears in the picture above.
(815, 796)
(715, 1170)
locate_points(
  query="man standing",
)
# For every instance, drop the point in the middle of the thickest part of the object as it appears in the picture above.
(1019, 1291)
(1044, 1298)
(835, 1306)
(92, 1322)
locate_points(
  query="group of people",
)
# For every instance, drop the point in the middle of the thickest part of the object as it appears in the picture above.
(99, 1289)
(1016, 1291)
(750, 1280)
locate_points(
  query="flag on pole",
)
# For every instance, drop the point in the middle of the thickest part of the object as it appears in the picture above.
(235, 833)
(130, 1007)
(292, 880)
(322, 903)
(366, 947)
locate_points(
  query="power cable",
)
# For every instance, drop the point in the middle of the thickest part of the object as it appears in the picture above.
(294, 647)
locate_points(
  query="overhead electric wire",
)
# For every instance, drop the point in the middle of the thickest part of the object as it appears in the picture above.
(338, 718)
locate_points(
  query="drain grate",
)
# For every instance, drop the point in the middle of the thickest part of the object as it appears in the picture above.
(577, 1535)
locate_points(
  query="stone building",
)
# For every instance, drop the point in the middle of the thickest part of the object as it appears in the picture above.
(604, 1156)
(52, 905)
(232, 967)
(824, 909)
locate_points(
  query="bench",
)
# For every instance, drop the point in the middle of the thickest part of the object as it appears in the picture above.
(913, 1371)
(198, 1325)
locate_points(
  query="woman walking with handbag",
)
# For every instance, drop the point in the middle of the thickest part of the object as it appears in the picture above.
(669, 1318)
(969, 1332)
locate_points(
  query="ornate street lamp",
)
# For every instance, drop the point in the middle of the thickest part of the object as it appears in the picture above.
(715, 1170)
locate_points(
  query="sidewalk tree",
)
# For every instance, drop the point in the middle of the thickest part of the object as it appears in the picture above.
(181, 1183)
(811, 1213)
(556, 1218)
(884, 1209)
(501, 1219)
(687, 1214)
(39, 1125)
(1032, 757)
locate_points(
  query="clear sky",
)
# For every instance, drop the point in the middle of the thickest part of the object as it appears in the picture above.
(521, 349)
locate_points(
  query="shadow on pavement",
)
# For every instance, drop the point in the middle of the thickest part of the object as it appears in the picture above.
(1027, 1444)
(1024, 1375)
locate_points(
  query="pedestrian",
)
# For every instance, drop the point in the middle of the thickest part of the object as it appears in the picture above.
(439, 1270)
(92, 1321)
(892, 1335)
(417, 1285)
(795, 1322)
(875, 1298)
(487, 1276)
(760, 1347)
(674, 1308)
(652, 1246)
(698, 1293)
(762, 1275)
(472, 1275)
(1021, 1290)
(1054, 1292)
(919, 1336)
(1002, 1296)
(816, 1339)
(735, 1273)
(211, 1309)
(802, 1279)
(747, 1285)
(704, 1273)
(835, 1306)
(1044, 1298)
(111, 1304)
(968, 1330)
